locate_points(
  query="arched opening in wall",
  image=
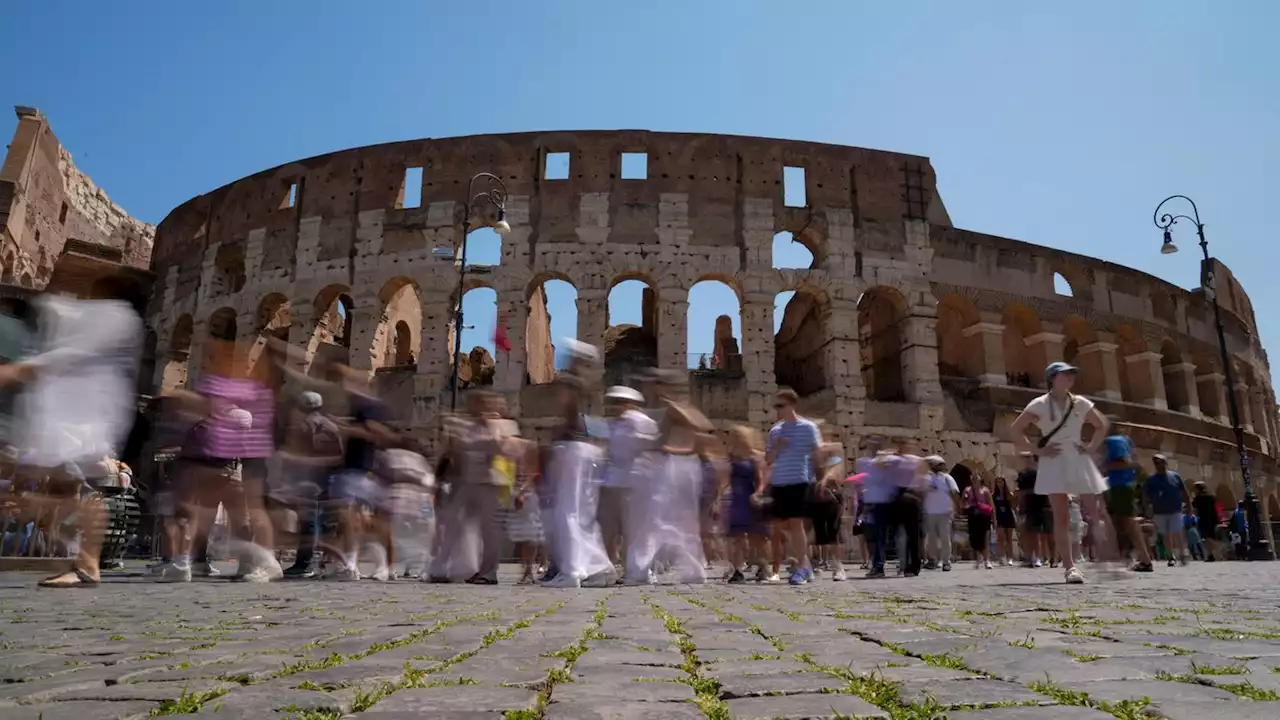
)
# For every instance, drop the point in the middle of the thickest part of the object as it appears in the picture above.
(1022, 368)
(1175, 384)
(479, 319)
(228, 270)
(553, 317)
(26, 281)
(398, 336)
(960, 353)
(881, 314)
(792, 253)
(631, 340)
(147, 365)
(331, 338)
(484, 248)
(800, 342)
(1226, 500)
(1130, 344)
(274, 316)
(1080, 348)
(221, 356)
(714, 328)
(1061, 286)
(178, 354)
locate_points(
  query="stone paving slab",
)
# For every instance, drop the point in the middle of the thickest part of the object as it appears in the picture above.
(1010, 644)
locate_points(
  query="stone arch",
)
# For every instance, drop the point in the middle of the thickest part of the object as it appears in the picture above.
(546, 292)
(401, 305)
(803, 333)
(1130, 342)
(714, 336)
(178, 355)
(331, 335)
(1073, 281)
(631, 335)
(26, 280)
(228, 270)
(1022, 366)
(882, 311)
(479, 320)
(1079, 348)
(960, 353)
(273, 318)
(1175, 386)
(790, 252)
(1226, 497)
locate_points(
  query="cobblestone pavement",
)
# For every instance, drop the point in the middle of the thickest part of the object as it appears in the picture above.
(1007, 644)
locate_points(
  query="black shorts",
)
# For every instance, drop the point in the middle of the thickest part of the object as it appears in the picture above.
(789, 501)
(826, 522)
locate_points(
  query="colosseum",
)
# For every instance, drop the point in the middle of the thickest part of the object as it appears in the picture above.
(901, 323)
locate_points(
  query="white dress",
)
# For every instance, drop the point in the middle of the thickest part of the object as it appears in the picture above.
(1070, 472)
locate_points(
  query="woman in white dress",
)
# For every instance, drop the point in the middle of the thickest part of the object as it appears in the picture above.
(1066, 461)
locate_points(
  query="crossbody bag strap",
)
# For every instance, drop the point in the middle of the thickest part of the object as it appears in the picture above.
(1071, 407)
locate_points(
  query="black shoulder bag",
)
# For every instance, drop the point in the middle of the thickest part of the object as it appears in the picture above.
(1071, 407)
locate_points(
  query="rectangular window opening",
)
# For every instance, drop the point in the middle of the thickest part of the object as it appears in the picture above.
(290, 200)
(793, 188)
(557, 166)
(635, 166)
(411, 190)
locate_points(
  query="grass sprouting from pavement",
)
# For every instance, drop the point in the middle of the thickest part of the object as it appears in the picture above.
(1233, 669)
(706, 690)
(1123, 709)
(187, 703)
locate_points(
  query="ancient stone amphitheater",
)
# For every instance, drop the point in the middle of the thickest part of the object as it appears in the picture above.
(903, 325)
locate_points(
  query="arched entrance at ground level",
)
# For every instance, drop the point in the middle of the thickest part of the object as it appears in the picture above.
(882, 313)
(1226, 500)
(800, 343)
(963, 476)
(714, 328)
(553, 317)
(631, 340)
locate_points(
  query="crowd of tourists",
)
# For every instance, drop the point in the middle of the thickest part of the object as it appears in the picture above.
(311, 464)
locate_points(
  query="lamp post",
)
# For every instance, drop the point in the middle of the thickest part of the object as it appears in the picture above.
(494, 193)
(1259, 547)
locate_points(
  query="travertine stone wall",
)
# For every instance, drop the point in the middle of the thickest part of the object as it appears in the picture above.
(45, 200)
(904, 325)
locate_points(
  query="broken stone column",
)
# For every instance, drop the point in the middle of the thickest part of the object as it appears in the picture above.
(1146, 378)
(673, 324)
(758, 357)
(511, 368)
(1099, 360)
(991, 337)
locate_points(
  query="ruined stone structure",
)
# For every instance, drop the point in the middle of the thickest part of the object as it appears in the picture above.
(903, 325)
(45, 201)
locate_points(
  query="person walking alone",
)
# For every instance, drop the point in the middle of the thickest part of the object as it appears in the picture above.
(1163, 491)
(939, 508)
(793, 453)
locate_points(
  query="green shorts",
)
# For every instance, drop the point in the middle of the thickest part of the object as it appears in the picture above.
(1120, 502)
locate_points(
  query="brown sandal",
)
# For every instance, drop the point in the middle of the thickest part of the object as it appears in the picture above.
(73, 578)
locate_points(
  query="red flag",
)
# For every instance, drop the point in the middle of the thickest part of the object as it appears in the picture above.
(500, 341)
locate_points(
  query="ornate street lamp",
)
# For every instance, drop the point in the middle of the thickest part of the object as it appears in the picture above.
(1259, 547)
(494, 192)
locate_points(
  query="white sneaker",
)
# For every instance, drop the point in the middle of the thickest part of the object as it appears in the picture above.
(1008, 562)
(563, 581)
(171, 573)
(1075, 577)
(1037, 563)
(987, 565)
(838, 574)
(382, 574)
(773, 578)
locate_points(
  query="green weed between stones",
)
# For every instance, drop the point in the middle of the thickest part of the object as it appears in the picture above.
(724, 616)
(1249, 690)
(1083, 657)
(555, 676)
(186, 703)
(1028, 642)
(706, 690)
(1233, 669)
(1123, 709)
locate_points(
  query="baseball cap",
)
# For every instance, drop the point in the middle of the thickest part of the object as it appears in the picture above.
(1059, 367)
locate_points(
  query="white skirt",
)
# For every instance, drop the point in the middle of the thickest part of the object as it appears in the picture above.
(1070, 473)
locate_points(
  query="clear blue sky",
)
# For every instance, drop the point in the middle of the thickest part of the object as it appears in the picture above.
(1060, 124)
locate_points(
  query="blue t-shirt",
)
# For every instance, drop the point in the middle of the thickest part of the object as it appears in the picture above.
(1164, 491)
(1119, 449)
(794, 462)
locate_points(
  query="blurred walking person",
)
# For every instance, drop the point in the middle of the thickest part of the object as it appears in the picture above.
(939, 509)
(631, 432)
(78, 404)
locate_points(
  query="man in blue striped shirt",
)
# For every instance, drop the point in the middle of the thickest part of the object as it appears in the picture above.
(793, 454)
